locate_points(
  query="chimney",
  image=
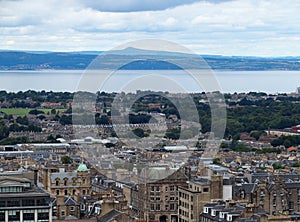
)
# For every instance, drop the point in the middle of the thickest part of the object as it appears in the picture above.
(35, 178)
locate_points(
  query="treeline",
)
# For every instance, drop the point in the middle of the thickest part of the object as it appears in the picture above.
(33, 99)
(286, 141)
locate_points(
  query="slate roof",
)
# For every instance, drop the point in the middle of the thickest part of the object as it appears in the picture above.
(69, 201)
(62, 175)
(110, 216)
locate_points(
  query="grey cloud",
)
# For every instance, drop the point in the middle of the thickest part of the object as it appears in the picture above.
(139, 5)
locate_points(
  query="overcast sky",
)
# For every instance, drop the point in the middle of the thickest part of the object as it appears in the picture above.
(242, 27)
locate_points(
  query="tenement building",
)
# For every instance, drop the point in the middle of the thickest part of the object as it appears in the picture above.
(69, 188)
(200, 191)
(158, 199)
(277, 195)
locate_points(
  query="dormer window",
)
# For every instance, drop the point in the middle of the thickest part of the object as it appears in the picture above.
(262, 193)
(243, 194)
(213, 213)
(205, 209)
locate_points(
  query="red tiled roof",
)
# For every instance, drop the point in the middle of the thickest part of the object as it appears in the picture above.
(292, 148)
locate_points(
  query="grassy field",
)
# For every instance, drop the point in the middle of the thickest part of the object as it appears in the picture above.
(24, 111)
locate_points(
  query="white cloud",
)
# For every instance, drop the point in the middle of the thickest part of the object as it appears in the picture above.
(248, 27)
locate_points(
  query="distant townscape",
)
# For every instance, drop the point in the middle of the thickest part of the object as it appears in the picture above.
(22, 60)
(50, 172)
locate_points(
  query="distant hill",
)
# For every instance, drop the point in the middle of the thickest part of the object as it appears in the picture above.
(31, 60)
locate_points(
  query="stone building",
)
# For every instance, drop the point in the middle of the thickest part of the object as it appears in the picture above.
(69, 188)
(199, 192)
(276, 195)
(158, 199)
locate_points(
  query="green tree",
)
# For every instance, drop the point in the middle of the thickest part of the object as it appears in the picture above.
(66, 160)
(217, 161)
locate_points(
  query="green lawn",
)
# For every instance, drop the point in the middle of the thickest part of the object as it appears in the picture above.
(24, 111)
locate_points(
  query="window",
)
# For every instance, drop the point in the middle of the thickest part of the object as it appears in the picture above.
(242, 194)
(2, 215)
(43, 214)
(41, 202)
(172, 206)
(57, 182)
(158, 207)
(157, 189)
(57, 192)
(291, 205)
(166, 189)
(152, 188)
(152, 207)
(2, 203)
(83, 180)
(206, 189)
(172, 198)
(63, 213)
(66, 192)
(172, 188)
(72, 208)
(83, 192)
(74, 192)
(13, 215)
(13, 203)
(27, 202)
(65, 182)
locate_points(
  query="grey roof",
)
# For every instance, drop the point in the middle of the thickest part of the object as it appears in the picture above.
(71, 217)
(110, 216)
(156, 173)
(69, 201)
(292, 185)
(247, 187)
(62, 175)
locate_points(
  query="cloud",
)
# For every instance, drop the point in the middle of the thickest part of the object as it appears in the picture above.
(241, 27)
(138, 5)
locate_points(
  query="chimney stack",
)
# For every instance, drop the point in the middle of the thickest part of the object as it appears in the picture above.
(35, 178)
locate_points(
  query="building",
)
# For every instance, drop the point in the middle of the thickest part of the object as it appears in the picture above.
(69, 188)
(21, 200)
(158, 199)
(199, 192)
(275, 194)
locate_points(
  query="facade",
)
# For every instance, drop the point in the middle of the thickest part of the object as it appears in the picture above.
(276, 195)
(23, 201)
(158, 200)
(69, 188)
(199, 192)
